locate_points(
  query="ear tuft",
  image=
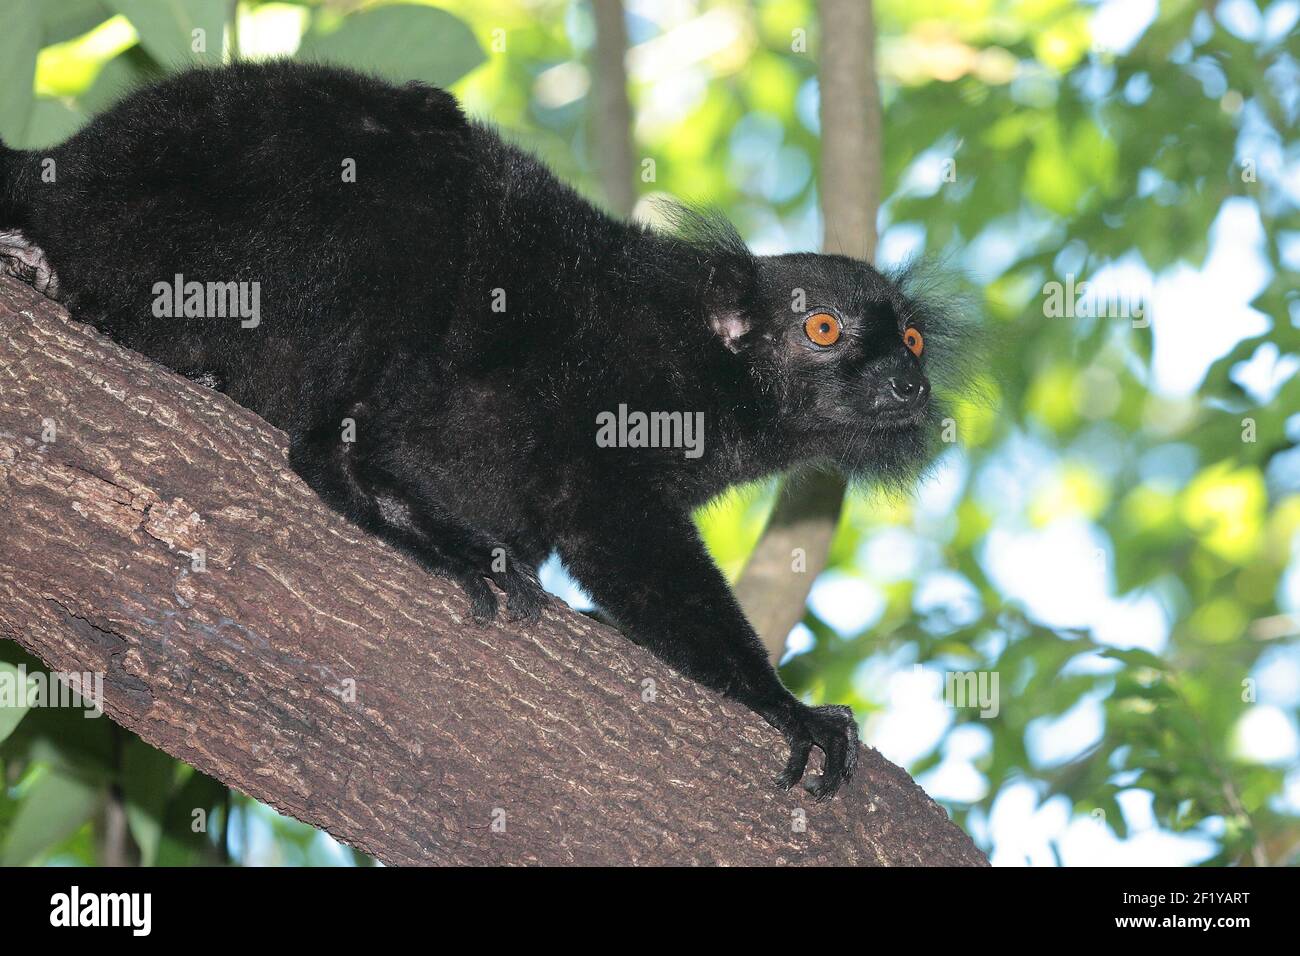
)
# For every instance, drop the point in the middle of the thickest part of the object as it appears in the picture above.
(730, 326)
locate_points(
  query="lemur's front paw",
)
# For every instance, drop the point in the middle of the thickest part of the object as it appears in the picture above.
(833, 730)
(24, 260)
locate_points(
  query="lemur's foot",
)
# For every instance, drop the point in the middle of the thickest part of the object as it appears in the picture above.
(525, 595)
(482, 602)
(833, 730)
(23, 259)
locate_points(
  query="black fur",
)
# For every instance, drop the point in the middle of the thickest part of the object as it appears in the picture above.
(476, 429)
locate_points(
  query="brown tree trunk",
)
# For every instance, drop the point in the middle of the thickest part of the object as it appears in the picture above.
(611, 113)
(774, 586)
(314, 668)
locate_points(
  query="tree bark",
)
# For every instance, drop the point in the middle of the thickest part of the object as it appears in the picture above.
(611, 115)
(316, 669)
(773, 589)
(852, 134)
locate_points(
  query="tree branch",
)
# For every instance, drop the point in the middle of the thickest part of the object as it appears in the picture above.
(315, 668)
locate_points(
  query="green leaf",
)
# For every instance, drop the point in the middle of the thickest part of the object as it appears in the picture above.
(70, 18)
(166, 28)
(10, 716)
(121, 75)
(20, 41)
(180, 845)
(1136, 657)
(401, 42)
(1115, 817)
(52, 121)
(65, 739)
(53, 808)
(148, 776)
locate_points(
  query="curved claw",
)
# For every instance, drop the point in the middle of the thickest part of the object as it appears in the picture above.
(482, 602)
(525, 595)
(796, 765)
(832, 730)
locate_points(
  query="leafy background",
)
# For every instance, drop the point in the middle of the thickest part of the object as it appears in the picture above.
(1115, 538)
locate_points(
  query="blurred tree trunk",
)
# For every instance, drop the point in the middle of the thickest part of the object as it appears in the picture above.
(155, 534)
(112, 831)
(773, 588)
(113, 835)
(611, 113)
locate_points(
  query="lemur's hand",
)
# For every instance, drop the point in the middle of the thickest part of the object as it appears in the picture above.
(24, 260)
(834, 731)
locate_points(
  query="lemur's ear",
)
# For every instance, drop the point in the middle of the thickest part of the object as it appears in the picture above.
(730, 326)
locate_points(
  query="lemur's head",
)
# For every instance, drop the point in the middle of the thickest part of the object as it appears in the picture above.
(848, 345)
(851, 365)
(849, 356)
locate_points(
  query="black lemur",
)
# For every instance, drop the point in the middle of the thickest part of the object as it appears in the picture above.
(479, 323)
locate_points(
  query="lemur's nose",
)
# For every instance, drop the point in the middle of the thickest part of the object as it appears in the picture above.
(908, 390)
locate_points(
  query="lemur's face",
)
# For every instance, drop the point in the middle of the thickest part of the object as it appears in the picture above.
(845, 352)
(851, 346)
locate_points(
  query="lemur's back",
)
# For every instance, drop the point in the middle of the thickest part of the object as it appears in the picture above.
(337, 198)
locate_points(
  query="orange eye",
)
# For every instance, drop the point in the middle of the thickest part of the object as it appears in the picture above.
(912, 339)
(823, 328)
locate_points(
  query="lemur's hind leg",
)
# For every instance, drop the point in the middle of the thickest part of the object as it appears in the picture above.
(23, 259)
(479, 550)
(443, 545)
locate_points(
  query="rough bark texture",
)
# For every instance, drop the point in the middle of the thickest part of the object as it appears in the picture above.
(771, 589)
(244, 670)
